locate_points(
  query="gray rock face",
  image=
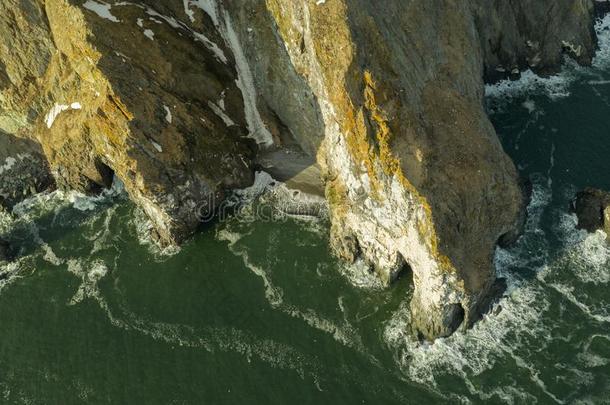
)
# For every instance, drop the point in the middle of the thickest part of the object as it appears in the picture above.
(592, 207)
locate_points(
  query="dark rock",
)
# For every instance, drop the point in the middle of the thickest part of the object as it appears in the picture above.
(5, 251)
(592, 207)
(602, 7)
(24, 171)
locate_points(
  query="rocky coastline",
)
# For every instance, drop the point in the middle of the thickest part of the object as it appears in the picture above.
(378, 107)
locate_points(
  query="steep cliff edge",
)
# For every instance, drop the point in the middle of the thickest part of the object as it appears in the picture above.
(415, 175)
(175, 98)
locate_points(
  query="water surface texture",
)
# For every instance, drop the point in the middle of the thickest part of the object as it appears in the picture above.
(254, 311)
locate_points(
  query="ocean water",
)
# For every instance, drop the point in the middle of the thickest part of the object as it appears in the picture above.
(253, 311)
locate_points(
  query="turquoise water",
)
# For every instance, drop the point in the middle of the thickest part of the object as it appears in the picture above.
(260, 312)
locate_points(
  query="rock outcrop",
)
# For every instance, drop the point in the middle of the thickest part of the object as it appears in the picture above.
(415, 175)
(126, 90)
(175, 98)
(524, 34)
(592, 207)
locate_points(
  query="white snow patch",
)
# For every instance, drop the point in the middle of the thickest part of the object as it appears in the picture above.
(245, 81)
(149, 34)
(209, 7)
(168, 114)
(58, 109)
(101, 9)
(187, 10)
(156, 146)
(220, 112)
(198, 36)
(9, 162)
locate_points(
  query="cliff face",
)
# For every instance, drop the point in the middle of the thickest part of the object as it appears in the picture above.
(173, 99)
(126, 90)
(415, 174)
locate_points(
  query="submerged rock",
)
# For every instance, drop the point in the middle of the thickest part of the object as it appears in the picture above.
(592, 207)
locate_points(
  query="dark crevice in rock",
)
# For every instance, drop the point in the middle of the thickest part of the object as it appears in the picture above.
(454, 317)
(489, 298)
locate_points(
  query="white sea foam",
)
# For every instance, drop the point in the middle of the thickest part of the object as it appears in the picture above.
(602, 57)
(505, 332)
(586, 254)
(90, 274)
(144, 228)
(359, 274)
(273, 294)
(342, 332)
(555, 87)
(211, 339)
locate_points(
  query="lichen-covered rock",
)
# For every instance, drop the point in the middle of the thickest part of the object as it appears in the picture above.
(592, 207)
(128, 90)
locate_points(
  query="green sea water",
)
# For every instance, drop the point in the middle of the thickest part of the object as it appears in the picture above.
(259, 312)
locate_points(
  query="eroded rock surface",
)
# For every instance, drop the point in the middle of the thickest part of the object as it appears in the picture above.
(175, 98)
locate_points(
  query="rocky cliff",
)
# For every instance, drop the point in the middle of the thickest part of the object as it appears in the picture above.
(176, 98)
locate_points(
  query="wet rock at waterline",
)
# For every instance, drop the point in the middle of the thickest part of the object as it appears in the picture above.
(592, 207)
(24, 170)
(177, 99)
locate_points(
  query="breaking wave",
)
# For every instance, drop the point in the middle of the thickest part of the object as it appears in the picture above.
(519, 327)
